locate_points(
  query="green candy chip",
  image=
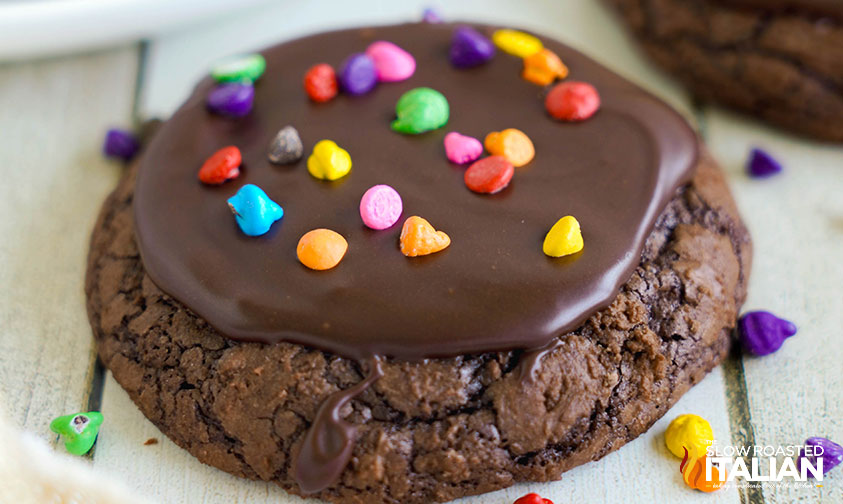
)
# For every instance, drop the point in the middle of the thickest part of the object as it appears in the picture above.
(247, 67)
(419, 110)
(79, 430)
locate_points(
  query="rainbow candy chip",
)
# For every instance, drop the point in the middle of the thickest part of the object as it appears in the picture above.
(419, 110)
(517, 42)
(380, 207)
(253, 210)
(329, 161)
(79, 430)
(689, 432)
(392, 63)
(564, 238)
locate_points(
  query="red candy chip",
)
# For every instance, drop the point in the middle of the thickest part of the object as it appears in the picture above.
(223, 165)
(532, 498)
(489, 175)
(572, 101)
(320, 83)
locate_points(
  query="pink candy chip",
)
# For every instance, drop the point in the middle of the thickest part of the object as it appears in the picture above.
(380, 207)
(391, 62)
(462, 149)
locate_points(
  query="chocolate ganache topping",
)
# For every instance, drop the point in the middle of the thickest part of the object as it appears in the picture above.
(493, 288)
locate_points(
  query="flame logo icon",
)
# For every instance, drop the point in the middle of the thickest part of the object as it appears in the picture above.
(693, 473)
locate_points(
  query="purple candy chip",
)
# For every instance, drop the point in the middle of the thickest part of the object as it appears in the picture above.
(761, 164)
(470, 48)
(357, 74)
(232, 99)
(763, 333)
(832, 453)
(431, 15)
(120, 144)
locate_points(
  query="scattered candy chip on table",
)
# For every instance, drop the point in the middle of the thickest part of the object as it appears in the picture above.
(763, 333)
(532, 498)
(120, 144)
(823, 449)
(689, 432)
(79, 430)
(761, 164)
(694, 475)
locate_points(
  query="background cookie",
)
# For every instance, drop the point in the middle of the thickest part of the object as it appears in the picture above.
(784, 66)
(447, 427)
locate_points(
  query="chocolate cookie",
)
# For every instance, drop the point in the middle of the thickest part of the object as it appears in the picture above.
(780, 60)
(397, 379)
(443, 428)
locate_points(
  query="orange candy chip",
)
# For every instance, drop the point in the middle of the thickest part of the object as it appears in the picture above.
(512, 144)
(321, 249)
(543, 68)
(419, 238)
(693, 473)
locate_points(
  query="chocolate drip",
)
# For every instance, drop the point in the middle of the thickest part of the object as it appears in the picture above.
(531, 360)
(329, 441)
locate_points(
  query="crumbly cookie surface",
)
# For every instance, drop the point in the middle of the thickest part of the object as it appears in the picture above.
(443, 428)
(785, 67)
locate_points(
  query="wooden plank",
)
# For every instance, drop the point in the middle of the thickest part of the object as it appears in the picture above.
(644, 471)
(54, 179)
(796, 221)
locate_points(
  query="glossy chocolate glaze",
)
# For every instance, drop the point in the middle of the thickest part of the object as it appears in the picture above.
(492, 289)
(833, 8)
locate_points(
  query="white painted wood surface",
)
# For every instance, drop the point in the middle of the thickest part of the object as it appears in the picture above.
(53, 117)
(796, 221)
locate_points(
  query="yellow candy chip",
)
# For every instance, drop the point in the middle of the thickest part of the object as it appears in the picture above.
(564, 238)
(516, 42)
(329, 161)
(689, 431)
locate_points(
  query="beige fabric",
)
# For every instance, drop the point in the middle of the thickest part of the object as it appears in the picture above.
(34, 473)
